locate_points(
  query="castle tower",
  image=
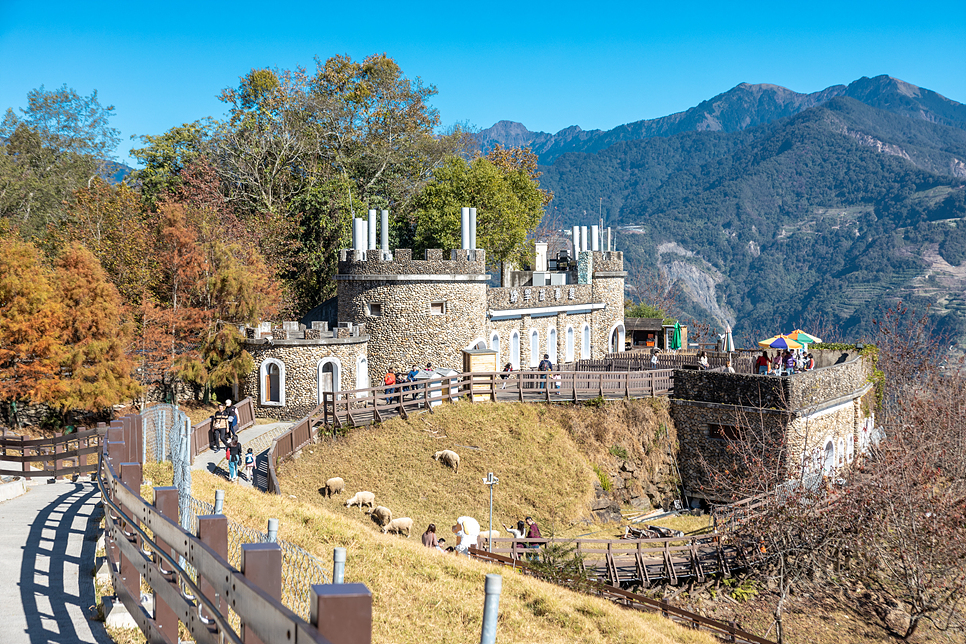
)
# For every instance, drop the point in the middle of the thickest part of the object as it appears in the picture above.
(414, 311)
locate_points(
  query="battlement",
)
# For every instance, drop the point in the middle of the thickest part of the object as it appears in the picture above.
(290, 332)
(379, 264)
(608, 261)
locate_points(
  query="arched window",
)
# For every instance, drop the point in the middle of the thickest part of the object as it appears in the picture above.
(534, 348)
(329, 376)
(552, 345)
(362, 375)
(585, 343)
(271, 376)
(478, 343)
(828, 464)
(495, 346)
(569, 349)
(616, 340)
(515, 350)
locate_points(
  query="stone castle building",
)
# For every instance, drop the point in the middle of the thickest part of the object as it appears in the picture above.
(817, 421)
(396, 311)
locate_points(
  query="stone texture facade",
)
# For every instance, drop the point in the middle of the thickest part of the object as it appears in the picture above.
(301, 359)
(414, 311)
(817, 417)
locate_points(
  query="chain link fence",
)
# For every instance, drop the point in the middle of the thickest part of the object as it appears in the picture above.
(300, 569)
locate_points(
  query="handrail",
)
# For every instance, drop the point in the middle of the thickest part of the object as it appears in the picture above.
(627, 599)
(52, 452)
(272, 485)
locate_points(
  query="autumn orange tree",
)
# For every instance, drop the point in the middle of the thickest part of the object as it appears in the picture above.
(31, 327)
(96, 367)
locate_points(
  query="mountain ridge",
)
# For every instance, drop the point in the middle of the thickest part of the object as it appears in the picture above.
(743, 106)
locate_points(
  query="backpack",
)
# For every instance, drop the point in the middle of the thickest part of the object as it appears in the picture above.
(249, 458)
(544, 365)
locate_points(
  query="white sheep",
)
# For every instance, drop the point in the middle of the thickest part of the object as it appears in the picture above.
(399, 526)
(361, 499)
(449, 457)
(382, 515)
(334, 485)
(490, 534)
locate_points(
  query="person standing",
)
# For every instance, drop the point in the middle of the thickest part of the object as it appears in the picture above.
(545, 365)
(219, 425)
(250, 465)
(389, 380)
(761, 364)
(533, 532)
(232, 418)
(234, 458)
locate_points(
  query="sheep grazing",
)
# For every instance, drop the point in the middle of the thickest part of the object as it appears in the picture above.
(381, 515)
(449, 457)
(361, 499)
(490, 534)
(333, 486)
(399, 526)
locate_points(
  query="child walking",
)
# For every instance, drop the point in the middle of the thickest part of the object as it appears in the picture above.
(249, 465)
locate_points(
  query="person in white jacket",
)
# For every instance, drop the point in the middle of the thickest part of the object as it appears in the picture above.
(468, 531)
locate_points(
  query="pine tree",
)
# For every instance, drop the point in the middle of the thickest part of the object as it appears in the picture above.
(31, 323)
(97, 370)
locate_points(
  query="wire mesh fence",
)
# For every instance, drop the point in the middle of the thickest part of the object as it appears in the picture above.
(300, 569)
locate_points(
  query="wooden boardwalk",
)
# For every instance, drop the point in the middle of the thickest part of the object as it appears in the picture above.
(376, 404)
(641, 562)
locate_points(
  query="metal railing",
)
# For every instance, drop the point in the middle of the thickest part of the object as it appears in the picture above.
(201, 437)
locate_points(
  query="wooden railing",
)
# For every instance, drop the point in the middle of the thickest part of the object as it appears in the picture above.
(375, 404)
(645, 561)
(189, 576)
(298, 436)
(626, 599)
(201, 433)
(68, 455)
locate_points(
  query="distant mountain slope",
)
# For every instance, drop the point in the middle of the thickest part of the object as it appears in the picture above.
(834, 211)
(741, 107)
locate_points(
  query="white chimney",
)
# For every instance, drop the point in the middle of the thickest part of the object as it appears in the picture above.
(472, 228)
(385, 231)
(583, 238)
(594, 238)
(372, 229)
(576, 240)
(464, 228)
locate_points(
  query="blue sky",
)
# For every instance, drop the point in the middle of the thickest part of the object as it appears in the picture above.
(546, 65)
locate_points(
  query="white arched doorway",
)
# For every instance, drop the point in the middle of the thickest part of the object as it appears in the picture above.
(329, 372)
(552, 345)
(534, 348)
(362, 375)
(271, 376)
(828, 458)
(585, 342)
(616, 340)
(569, 348)
(515, 350)
(478, 343)
(495, 346)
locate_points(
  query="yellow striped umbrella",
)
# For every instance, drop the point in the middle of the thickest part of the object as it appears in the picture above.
(779, 342)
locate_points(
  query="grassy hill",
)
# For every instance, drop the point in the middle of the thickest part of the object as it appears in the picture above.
(418, 593)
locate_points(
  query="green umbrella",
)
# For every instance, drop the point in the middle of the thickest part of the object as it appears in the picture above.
(676, 338)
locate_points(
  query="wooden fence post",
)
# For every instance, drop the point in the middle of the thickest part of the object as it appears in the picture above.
(262, 564)
(130, 474)
(342, 613)
(166, 501)
(213, 532)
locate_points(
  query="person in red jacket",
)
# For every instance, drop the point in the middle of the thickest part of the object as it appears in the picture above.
(389, 380)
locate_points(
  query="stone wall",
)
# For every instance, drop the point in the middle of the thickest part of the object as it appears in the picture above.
(301, 360)
(460, 262)
(819, 385)
(526, 297)
(768, 392)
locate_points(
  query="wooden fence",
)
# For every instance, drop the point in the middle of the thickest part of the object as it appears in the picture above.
(375, 404)
(68, 455)
(189, 576)
(633, 601)
(298, 436)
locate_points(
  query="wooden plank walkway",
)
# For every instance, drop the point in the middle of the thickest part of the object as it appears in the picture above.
(376, 404)
(641, 562)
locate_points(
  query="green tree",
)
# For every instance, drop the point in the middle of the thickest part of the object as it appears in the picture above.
(96, 369)
(508, 200)
(165, 156)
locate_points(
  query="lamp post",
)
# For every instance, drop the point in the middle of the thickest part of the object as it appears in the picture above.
(490, 481)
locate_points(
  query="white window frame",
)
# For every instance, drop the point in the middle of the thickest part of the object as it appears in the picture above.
(585, 342)
(262, 373)
(362, 383)
(495, 346)
(534, 342)
(336, 376)
(571, 336)
(621, 338)
(515, 350)
(552, 344)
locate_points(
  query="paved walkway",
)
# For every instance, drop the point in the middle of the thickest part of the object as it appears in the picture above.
(49, 537)
(257, 437)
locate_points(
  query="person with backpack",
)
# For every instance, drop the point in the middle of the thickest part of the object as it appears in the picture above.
(232, 418)
(233, 454)
(250, 465)
(507, 369)
(545, 365)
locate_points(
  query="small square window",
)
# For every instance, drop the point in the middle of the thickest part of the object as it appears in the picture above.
(374, 310)
(437, 308)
